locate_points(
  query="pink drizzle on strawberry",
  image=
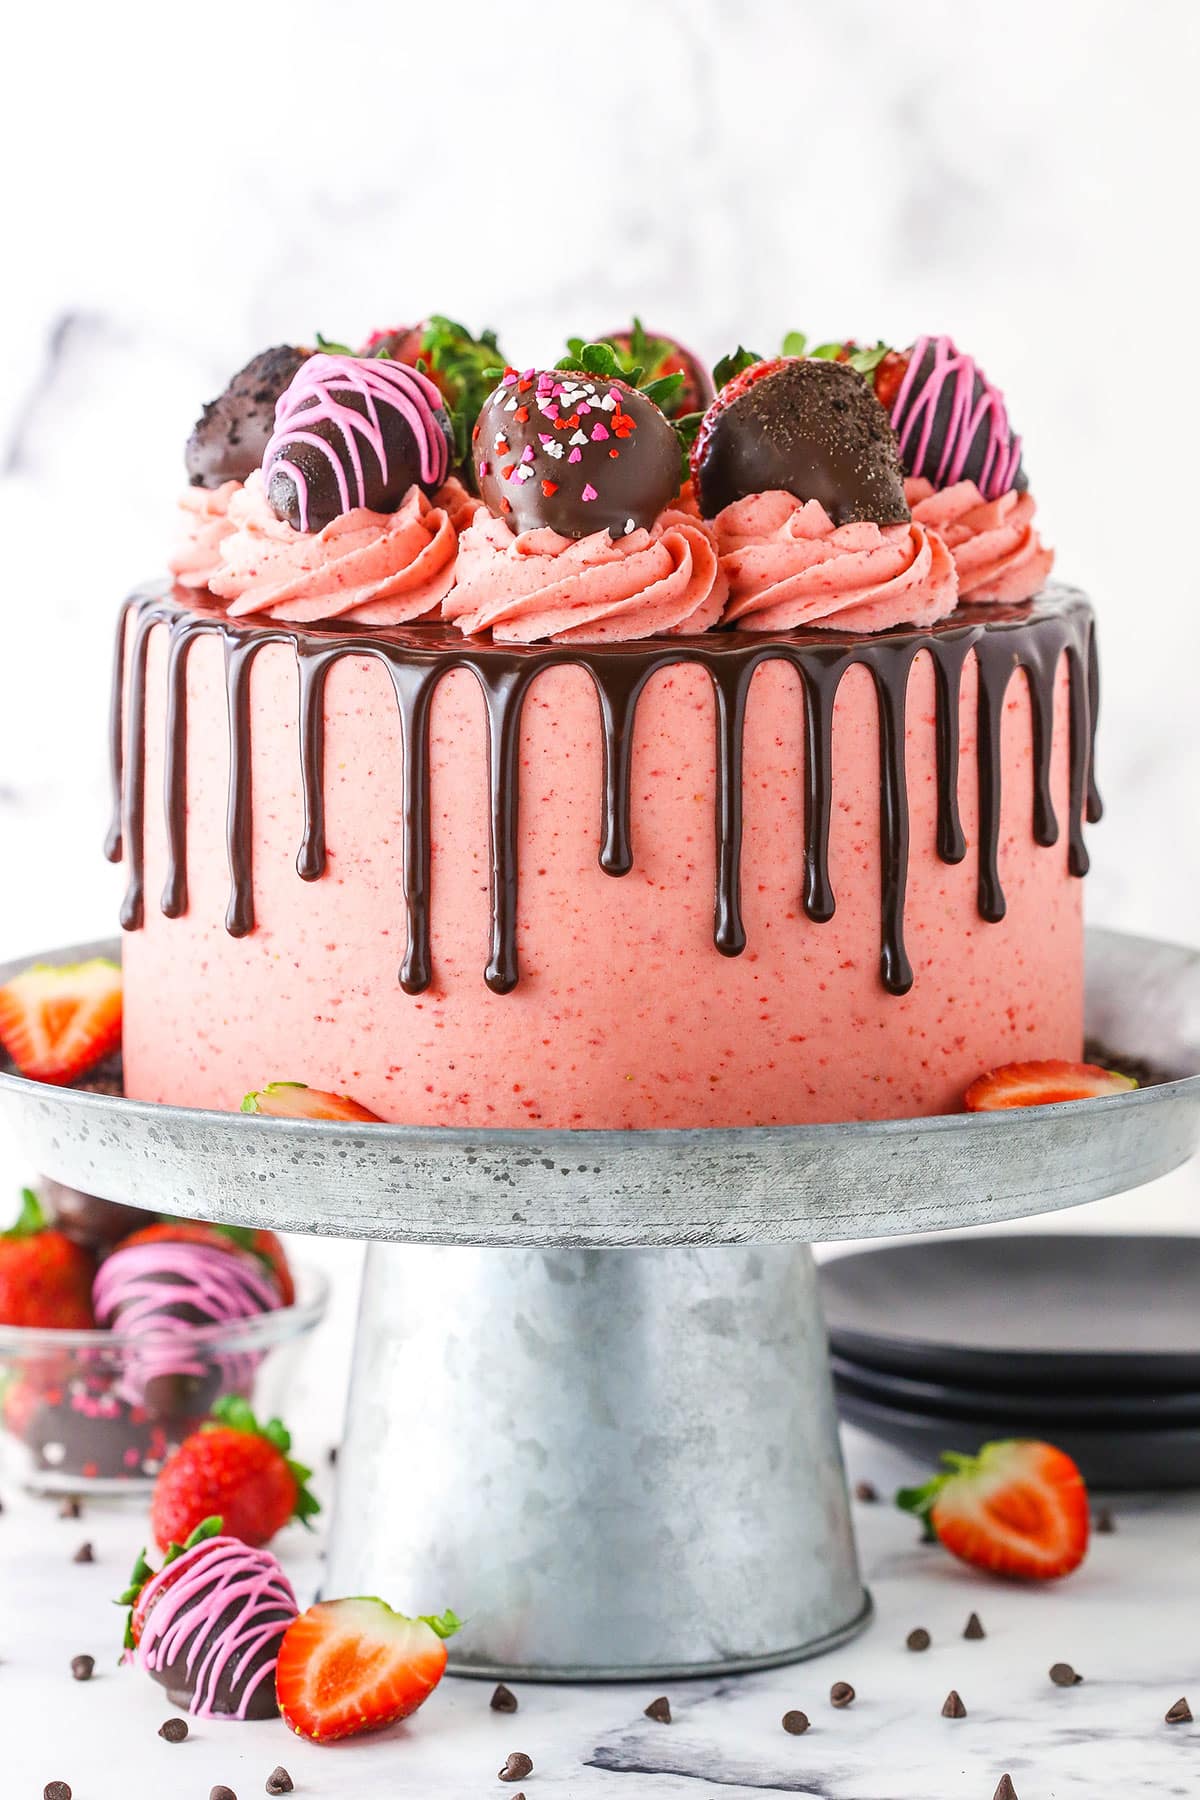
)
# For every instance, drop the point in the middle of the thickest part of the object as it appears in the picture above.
(221, 1610)
(914, 415)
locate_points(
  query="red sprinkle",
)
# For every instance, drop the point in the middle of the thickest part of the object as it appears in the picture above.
(549, 487)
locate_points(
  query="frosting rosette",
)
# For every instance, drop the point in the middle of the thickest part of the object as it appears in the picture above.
(996, 550)
(536, 585)
(363, 568)
(788, 565)
(204, 526)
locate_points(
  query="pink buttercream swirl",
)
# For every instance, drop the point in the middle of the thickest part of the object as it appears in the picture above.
(996, 550)
(203, 529)
(788, 565)
(317, 396)
(536, 585)
(914, 415)
(364, 568)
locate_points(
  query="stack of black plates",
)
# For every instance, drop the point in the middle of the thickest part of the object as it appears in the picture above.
(1092, 1343)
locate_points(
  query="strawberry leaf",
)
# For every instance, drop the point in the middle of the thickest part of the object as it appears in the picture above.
(445, 1626)
(794, 344)
(729, 366)
(29, 1221)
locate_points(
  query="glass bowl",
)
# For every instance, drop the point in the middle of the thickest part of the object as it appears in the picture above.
(98, 1412)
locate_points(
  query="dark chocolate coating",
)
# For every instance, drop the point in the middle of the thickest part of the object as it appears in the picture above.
(936, 447)
(229, 437)
(324, 497)
(811, 428)
(628, 455)
(84, 1430)
(179, 1676)
(86, 1219)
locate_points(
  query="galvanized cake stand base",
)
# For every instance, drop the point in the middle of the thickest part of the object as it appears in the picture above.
(591, 1405)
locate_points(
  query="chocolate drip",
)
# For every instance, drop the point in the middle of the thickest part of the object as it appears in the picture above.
(1095, 806)
(1034, 637)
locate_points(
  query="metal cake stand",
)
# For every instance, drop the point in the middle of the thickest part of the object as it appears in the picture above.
(591, 1404)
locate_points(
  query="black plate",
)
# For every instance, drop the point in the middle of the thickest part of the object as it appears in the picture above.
(1108, 1459)
(1021, 1413)
(1092, 1314)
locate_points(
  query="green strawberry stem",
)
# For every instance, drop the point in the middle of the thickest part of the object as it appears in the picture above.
(29, 1221)
(921, 1500)
(232, 1413)
(142, 1571)
(729, 366)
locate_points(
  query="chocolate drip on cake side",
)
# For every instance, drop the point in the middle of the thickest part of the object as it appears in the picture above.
(1033, 637)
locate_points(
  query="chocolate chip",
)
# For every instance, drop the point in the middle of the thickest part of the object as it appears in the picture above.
(952, 1706)
(1104, 1523)
(84, 1554)
(82, 1667)
(504, 1700)
(1179, 1714)
(279, 1782)
(333, 1456)
(795, 1723)
(660, 1709)
(918, 1639)
(220, 1792)
(56, 1790)
(70, 1508)
(1063, 1675)
(517, 1767)
(841, 1693)
(867, 1492)
(974, 1627)
(173, 1731)
(1005, 1789)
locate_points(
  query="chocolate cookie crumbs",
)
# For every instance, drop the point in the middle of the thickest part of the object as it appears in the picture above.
(83, 1667)
(841, 1693)
(517, 1767)
(504, 1700)
(1179, 1714)
(974, 1627)
(867, 1492)
(173, 1731)
(795, 1723)
(660, 1710)
(56, 1790)
(918, 1639)
(84, 1554)
(279, 1782)
(1063, 1675)
(952, 1706)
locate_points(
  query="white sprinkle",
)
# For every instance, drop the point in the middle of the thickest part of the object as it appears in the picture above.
(553, 448)
(580, 437)
(54, 1454)
(629, 526)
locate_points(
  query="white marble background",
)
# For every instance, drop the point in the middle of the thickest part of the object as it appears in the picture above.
(185, 184)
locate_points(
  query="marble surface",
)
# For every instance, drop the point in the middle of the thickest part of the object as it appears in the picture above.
(1126, 1621)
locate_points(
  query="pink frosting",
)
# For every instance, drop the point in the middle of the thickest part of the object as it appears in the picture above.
(788, 565)
(204, 527)
(364, 568)
(997, 552)
(538, 585)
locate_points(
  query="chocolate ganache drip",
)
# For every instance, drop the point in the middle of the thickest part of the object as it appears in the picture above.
(1033, 636)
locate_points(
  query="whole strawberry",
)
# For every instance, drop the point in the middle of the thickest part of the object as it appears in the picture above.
(235, 1467)
(45, 1279)
(1019, 1508)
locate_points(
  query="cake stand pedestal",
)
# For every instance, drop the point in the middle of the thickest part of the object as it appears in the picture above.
(591, 1404)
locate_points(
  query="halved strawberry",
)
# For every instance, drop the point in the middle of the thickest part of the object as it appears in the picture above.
(347, 1666)
(1019, 1508)
(1042, 1084)
(57, 1022)
(292, 1100)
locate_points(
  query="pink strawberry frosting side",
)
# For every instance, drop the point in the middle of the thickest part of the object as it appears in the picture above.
(996, 550)
(537, 585)
(204, 527)
(788, 565)
(364, 568)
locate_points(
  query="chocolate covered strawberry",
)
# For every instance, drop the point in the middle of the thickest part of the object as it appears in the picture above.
(293, 1100)
(45, 1279)
(57, 1022)
(263, 1244)
(229, 437)
(238, 1468)
(349, 1666)
(1042, 1084)
(461, 365)
(1019, 1509)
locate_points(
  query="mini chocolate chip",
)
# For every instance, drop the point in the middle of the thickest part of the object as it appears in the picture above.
(333, 1456)
(1063, 1675)
(84, 1554)
(1005, 1789)
(56, 1790)
(1104, 1523)
(173, 1730)
(504, 1700)
(660, 1709)
(918, 1639)
(1179, 1714)
(841, 1693)
(867, 1492)
(83, 1667)
(517, 1767)
(279, 1782)
(795, 1723)
(220, 1792)
(952, 1706)
(70, 1508)
(974, 1627)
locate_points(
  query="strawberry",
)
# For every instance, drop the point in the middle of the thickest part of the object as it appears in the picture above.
(292, 1100)
(656, 356)
(347, 1666)
(133, 1595)
(1042, 1084)
(401, 342)
(57, 1022)
(263, 1244)
(1018, 1509)
(238, 1468)
(45, 1279)
(734, 375)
